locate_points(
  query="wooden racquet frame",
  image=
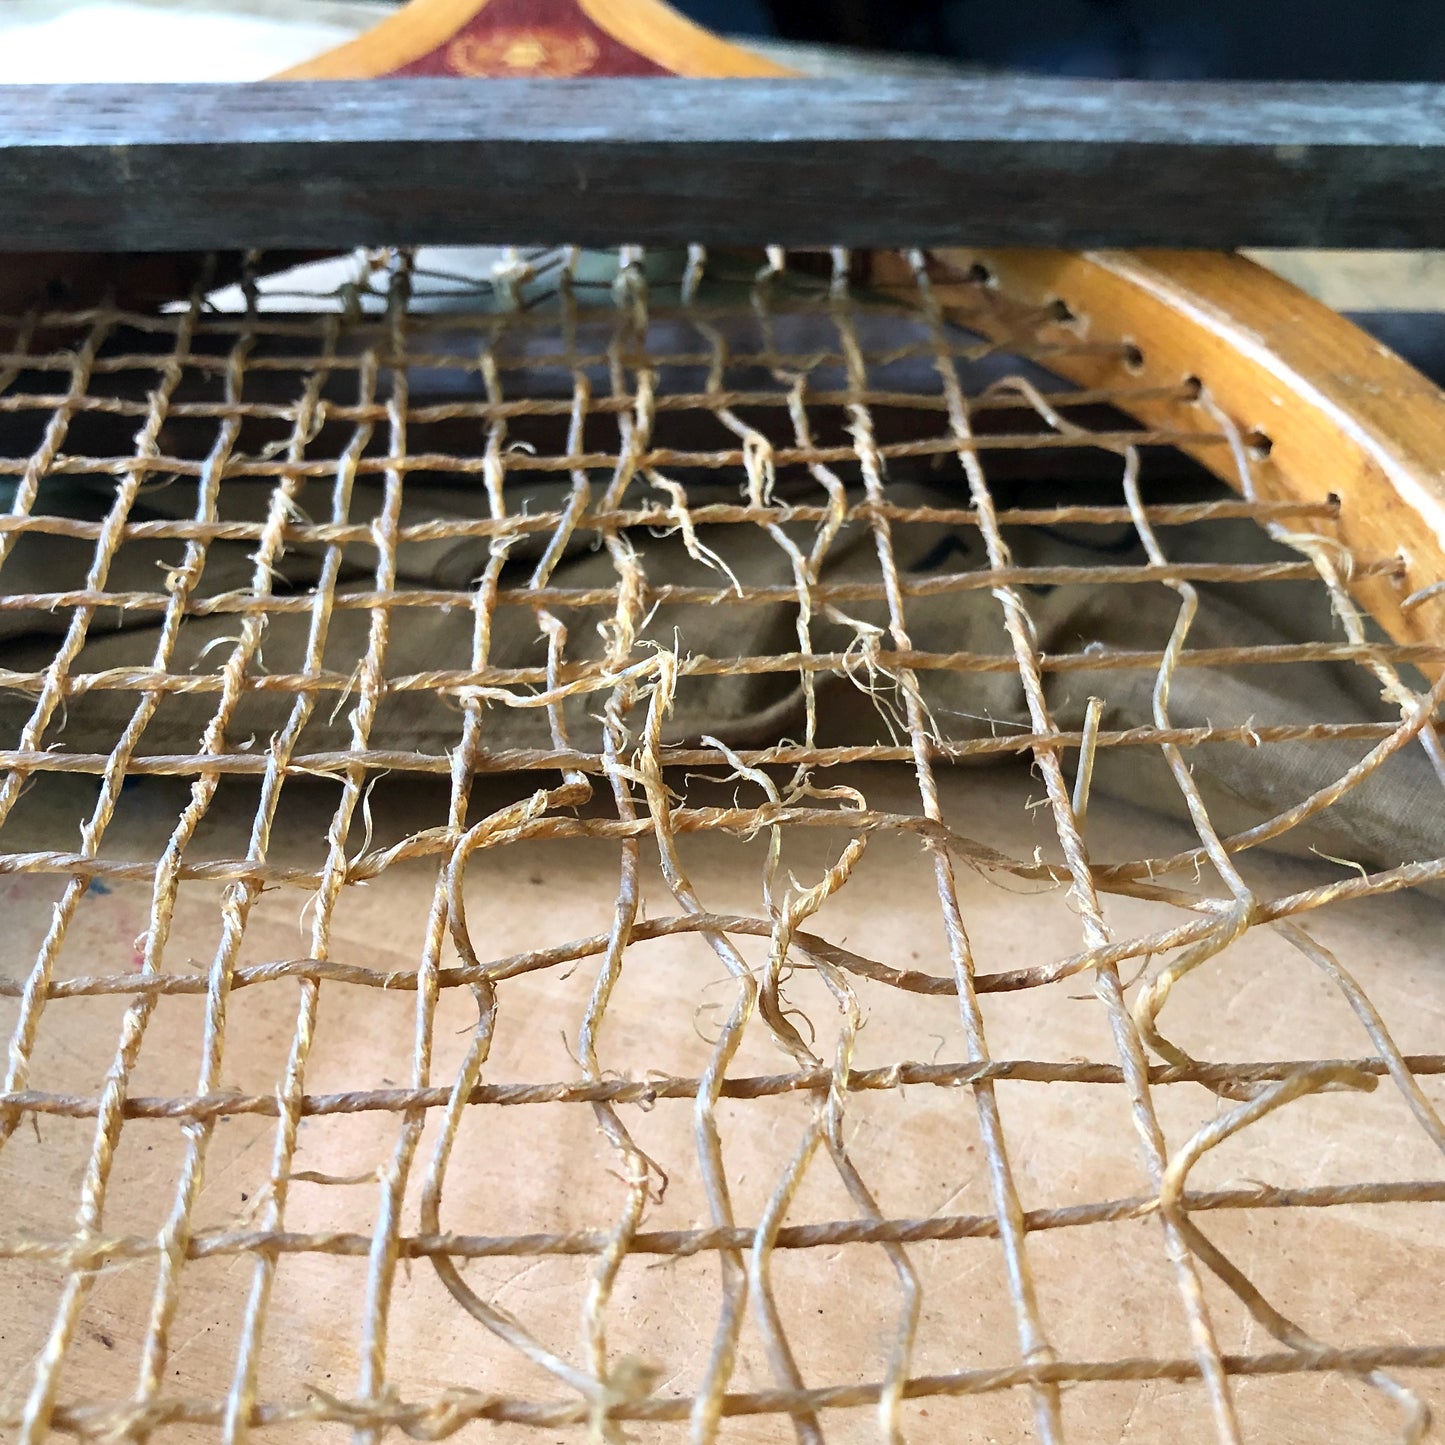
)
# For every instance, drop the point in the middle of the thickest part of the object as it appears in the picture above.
(653, 30)
(1326, 412)
(1300, 405)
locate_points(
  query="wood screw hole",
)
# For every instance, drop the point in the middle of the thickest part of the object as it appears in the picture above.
(980, 275)
(1133, 357)
(1258, 443)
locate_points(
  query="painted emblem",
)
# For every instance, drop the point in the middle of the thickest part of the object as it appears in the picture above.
(522, 52)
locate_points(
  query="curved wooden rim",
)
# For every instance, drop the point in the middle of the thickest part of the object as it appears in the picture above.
(649, 27)
(406, 35)
(671, 40)
(1328, 411)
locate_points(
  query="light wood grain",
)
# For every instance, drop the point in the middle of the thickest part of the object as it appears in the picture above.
(674, 42)
(1340, 414)
(401, 37)
(649, 27)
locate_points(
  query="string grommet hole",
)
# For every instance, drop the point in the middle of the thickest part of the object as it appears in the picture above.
(1258, 443)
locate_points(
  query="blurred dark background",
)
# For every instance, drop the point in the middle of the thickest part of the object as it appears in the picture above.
(1135, 39)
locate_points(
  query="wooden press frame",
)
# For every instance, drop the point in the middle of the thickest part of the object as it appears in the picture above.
(875, 163)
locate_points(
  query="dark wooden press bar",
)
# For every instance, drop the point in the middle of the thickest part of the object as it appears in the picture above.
(866, 162)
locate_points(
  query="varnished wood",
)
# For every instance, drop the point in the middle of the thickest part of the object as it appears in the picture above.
(1325, 411)
(398, 38)
(649, 27)
(674, 42)
(874, 162)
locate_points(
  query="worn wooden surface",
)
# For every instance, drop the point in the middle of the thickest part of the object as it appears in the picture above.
(875, 161)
